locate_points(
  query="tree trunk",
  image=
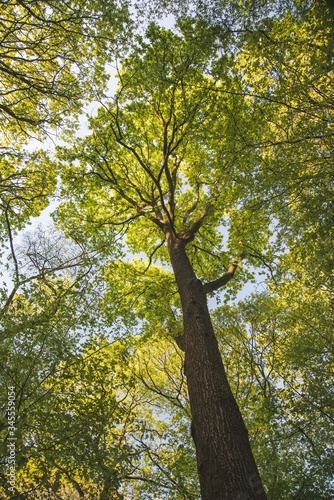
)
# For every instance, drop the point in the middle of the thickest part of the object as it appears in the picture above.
(225, 462)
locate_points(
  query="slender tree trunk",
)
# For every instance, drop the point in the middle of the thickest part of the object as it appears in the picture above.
(225, 462)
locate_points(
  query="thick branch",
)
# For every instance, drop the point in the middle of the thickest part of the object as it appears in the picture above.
(188, 236)
(223, 280)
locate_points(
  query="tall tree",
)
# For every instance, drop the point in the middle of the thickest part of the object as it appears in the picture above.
(216, 145)
(158, 165)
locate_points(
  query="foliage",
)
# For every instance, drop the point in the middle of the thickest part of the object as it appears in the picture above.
(52, 59)
(43, 311)
(111, 425)
(225, 125)
(279, 358)
(165, 145)
(53, 62)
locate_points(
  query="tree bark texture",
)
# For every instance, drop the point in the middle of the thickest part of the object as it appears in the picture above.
(226, 466)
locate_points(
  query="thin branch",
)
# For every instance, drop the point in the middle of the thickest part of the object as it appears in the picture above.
(206, 251)
(71, 479)
(41, 275)
(193, 207)
(11, 242)
(258, 255)
(118, 136)
(152, 255)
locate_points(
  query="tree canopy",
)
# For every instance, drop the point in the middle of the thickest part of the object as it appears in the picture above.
(210, 166)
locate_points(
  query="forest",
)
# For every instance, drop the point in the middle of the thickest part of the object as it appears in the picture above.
(166, 245)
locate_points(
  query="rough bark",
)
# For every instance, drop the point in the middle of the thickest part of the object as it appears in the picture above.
(226, 466)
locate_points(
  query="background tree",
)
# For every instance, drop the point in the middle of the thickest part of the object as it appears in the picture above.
(111, 425)
(53, 58)
(38, 316)
(279, 360)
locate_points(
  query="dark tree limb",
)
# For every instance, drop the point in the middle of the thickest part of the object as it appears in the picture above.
(212, 286)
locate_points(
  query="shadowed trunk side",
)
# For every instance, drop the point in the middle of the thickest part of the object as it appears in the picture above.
(226, 466)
